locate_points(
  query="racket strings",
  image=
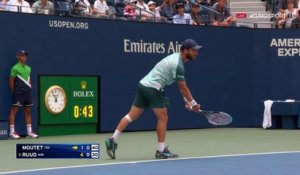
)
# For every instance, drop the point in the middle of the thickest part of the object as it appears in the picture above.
(219, 119)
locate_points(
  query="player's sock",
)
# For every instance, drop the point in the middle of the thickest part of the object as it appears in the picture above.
(161, 146)
(116, 135)
(29, 128)
(12, 129)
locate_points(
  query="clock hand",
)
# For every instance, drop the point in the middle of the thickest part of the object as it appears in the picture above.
(52, 93)
(55, 96)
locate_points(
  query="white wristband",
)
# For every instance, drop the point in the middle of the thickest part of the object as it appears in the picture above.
(193, 103)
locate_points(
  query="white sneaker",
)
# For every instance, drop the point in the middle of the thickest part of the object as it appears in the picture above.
(32, 135)
(14, 135)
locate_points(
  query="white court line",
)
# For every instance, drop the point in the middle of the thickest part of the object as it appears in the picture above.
(146, 161)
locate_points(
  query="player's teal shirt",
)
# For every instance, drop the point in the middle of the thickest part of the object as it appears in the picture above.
(165, 72)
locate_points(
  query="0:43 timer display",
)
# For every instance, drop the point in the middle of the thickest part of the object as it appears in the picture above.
(86, 111)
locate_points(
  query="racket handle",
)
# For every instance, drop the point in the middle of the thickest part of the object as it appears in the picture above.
(188, 106)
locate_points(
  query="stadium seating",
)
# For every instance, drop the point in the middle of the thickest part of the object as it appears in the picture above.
(236, 8)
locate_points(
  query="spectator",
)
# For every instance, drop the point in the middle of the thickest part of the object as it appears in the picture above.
(195, 14)
(143, 10)
(2, 5)
(168, 9)
(101, 8)
(280, 20)
(224, 17)
(296, 21)
(182, 17)
(129, 11)
(43, 7)
(290, 14)
(83, 7)
(283, 4)
(18, 6)
(155, 10)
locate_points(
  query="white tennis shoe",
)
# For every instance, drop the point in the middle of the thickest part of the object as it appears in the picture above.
(32, 135)
(14, 135)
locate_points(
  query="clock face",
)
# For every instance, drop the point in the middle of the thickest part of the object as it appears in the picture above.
(55, 99)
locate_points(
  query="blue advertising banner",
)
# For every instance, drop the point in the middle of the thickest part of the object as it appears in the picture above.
(237, 69)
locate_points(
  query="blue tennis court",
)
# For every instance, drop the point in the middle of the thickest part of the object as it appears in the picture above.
(276, 163)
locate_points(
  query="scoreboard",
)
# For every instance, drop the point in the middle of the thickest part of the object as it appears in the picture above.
(65, 151)
(68, 104)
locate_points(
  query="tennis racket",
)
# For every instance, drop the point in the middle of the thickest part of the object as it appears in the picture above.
(213, 117)
(217, 118)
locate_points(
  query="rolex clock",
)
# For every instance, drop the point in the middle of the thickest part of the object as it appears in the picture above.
(55, 99)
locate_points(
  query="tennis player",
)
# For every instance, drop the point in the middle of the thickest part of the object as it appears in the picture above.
(150, 94)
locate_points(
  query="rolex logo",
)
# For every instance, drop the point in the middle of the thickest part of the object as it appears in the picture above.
(83, 85)
(83, 93)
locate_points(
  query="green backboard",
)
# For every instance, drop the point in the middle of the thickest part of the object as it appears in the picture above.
(76, 99)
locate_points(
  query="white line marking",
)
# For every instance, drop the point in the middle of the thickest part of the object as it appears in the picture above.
(146, 161)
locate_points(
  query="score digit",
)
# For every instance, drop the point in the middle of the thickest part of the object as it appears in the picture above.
(76, 111)
(84, 111)
(90, 111)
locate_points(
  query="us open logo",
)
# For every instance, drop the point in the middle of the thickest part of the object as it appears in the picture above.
(68, 24)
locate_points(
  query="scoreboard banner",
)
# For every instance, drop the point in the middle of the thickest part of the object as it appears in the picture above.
(65, 101)
(65, 151)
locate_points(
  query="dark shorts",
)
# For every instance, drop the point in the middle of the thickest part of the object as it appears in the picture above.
(147, 97)
(22, 99)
